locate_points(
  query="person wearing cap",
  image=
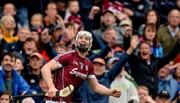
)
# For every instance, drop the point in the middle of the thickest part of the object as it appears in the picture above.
(105, 77)
(34, 68)
(127, 29)
(33, 75)
(72, 69)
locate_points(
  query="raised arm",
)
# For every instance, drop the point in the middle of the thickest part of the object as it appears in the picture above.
(100, 89)
(117, 67)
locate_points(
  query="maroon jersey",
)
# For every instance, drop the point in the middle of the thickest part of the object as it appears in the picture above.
(73, 70)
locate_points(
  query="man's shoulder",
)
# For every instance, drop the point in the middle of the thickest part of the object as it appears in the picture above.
(68, 54)
(163, 28)
(89, 62)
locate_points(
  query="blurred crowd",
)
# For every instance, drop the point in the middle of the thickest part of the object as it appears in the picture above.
(32, 32)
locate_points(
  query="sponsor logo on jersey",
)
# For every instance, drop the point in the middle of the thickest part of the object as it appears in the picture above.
(77, 73)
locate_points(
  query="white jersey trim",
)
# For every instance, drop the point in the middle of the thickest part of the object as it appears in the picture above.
(91, 76)
(59, 64)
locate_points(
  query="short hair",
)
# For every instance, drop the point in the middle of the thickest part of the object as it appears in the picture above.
(144, 42)
(143, 87)
(70, 1)
(6, 93)
(30, 40)
(9, 54)
(9, 4)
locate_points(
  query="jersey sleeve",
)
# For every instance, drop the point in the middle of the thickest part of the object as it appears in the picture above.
(62, 59)
(91, 71)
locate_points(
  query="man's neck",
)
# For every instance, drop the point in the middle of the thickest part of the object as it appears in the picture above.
(82, 54)
(36, 71)
(173, 28)
(8, 75)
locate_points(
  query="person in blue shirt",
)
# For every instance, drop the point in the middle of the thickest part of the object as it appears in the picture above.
(10, 80)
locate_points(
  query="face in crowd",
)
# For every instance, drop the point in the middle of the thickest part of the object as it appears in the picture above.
(145, 51)
(8, 62)
(5, 98)
(99, 66)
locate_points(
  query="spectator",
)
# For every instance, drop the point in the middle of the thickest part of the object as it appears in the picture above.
(127, 32)
(35, 34)
(37, 21)
(9, 9)
(167, 33)
(163, 97)
(136, 9)
(17, 46)
(166, 82)
(46, 48)
(128, 90)
(144, 96)
(10, 80)
(110, 38)
(29, 47)
(51, 13)
(144, 67)
(108, 20)
(167, 6)
(19, 67)
(72, 10)
(40, 88)
(150, 35)
(8, 29)
(5, 97)
(150, 17)
(33, 75)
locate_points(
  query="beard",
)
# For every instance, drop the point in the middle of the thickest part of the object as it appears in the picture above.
(82, 48)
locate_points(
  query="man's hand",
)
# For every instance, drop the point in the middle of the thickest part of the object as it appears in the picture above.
(51, 92)
(133, 44)
(115, 93)
(128, 11)
(134, 41)
(94, 11)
